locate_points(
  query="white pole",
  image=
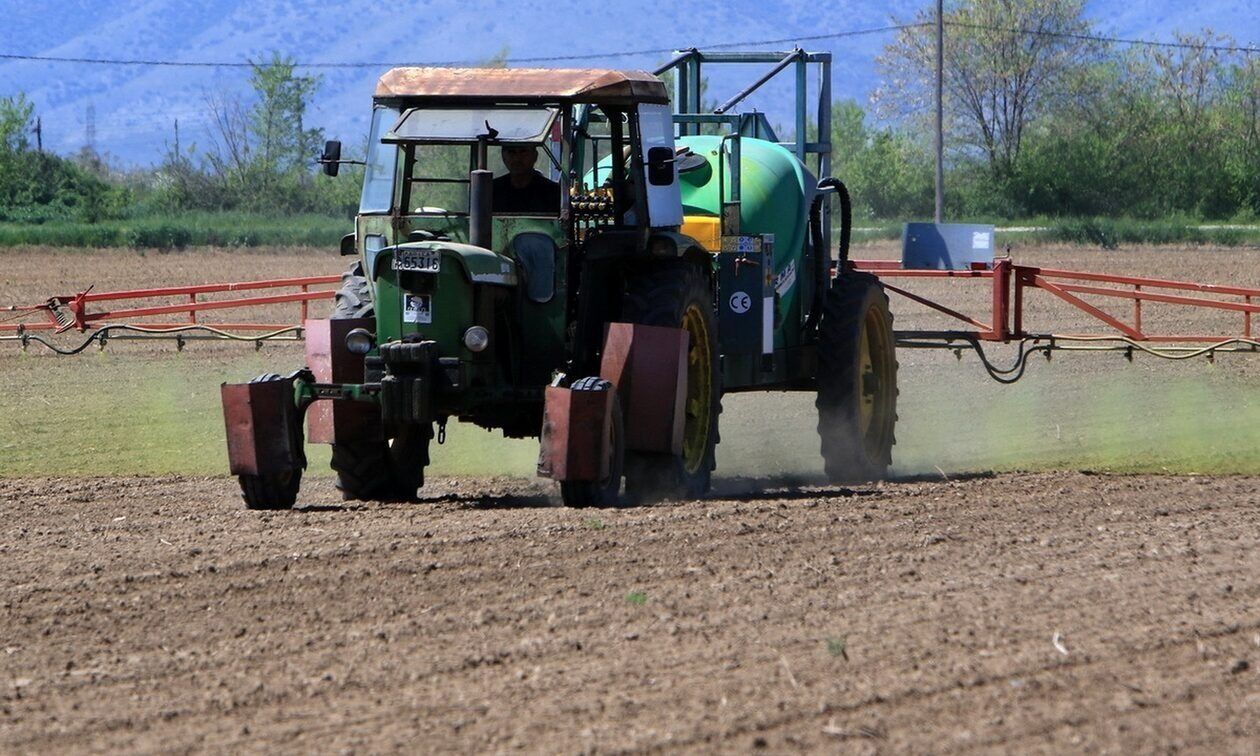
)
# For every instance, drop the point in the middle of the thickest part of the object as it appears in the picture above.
(940, 111)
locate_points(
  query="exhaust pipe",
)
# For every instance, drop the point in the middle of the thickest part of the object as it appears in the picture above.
(480, 196)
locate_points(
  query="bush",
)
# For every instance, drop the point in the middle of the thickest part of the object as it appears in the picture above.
(160, 236)
(177, 232)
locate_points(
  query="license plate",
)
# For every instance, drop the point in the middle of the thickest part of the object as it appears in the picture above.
(419, 260)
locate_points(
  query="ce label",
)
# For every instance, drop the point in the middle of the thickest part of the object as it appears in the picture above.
(741, 302)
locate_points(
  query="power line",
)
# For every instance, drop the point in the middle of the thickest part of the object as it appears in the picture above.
(1108, 40)
(391, 64)
(651, 51)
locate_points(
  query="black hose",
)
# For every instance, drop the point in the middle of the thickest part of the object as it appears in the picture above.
(822, 254)
(101, 334)
(846, 217)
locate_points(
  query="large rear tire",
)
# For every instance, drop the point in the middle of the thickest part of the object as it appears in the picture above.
(386, 470)
(606, 492)
(678, 294)
(390, 470)
(354, 298)
(857, 380)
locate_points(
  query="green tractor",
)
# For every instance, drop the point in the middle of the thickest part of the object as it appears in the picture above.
(630, 265)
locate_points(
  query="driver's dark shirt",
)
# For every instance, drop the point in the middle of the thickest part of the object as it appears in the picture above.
(542, 196)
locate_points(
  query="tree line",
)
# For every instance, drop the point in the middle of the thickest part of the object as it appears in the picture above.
(1042, 119)
(258, 156)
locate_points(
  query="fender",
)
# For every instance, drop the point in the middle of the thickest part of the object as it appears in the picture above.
(672, 244)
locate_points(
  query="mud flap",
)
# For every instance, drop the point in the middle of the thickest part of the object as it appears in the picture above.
(264, 434)
(574, 443)
(338, 421)
(648, 365)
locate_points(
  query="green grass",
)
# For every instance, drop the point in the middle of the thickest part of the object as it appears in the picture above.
(1107, 233)
(1080, 412)
(120, 412)
(638, 598)
(230, 229)
(127, 412)
(182, 230)
(838, 647)
(1113, 233)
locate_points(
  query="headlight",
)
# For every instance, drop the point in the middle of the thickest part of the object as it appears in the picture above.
(476, 339)
(359, 341)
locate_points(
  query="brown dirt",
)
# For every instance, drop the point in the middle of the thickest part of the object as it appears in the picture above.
(156, 614)
(147, 614)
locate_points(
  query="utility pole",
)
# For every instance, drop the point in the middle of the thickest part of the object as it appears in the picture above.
(177, 152)
(940, 110)
(39, 134)
(90, 126)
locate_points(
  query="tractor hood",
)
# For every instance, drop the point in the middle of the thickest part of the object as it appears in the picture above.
(479, 265)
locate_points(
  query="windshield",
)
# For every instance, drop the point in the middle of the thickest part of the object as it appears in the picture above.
(466, 124)
(438, 176)
(382, 159)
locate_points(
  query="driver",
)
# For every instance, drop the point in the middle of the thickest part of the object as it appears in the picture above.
(523, 189)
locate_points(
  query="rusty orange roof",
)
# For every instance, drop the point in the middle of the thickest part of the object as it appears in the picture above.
(585, 84)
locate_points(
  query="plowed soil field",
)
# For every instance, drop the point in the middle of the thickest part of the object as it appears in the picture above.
(1050, 612)
(1064, 607)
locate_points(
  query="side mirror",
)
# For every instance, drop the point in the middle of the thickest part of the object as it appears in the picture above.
(349, 245)
(331, 157)
(660, 166)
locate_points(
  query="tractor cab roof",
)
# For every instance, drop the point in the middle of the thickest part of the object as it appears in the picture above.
(484, 85)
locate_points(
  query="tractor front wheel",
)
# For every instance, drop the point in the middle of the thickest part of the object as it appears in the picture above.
(275, 490)
(857, 380)
(606, 492)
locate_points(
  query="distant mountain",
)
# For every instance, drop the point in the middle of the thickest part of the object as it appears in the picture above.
(133, 108)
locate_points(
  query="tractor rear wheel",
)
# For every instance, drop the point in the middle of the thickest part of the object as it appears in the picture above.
(276, 490)
(857, 380)
(390, 469)
(606, 492)
(354, 298)
(678, 294)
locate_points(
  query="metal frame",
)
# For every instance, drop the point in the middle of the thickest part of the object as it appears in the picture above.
(1012, 283)
(688, 115)
(71, 312)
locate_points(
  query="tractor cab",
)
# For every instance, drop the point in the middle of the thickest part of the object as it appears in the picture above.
(512, 179)
(433, 130)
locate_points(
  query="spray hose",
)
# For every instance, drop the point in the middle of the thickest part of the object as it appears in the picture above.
(102, 334)
(1032, 345)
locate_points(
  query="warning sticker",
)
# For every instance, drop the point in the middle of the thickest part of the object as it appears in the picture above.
(786, 279)
(740, 302)
(417, 308)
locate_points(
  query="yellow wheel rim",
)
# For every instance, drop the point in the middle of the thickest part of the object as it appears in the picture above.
(699, 389)
(878, 385)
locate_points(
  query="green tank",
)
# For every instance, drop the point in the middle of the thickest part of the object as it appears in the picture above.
(775, 193)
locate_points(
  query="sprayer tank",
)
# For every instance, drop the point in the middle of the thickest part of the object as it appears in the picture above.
(775, 193)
